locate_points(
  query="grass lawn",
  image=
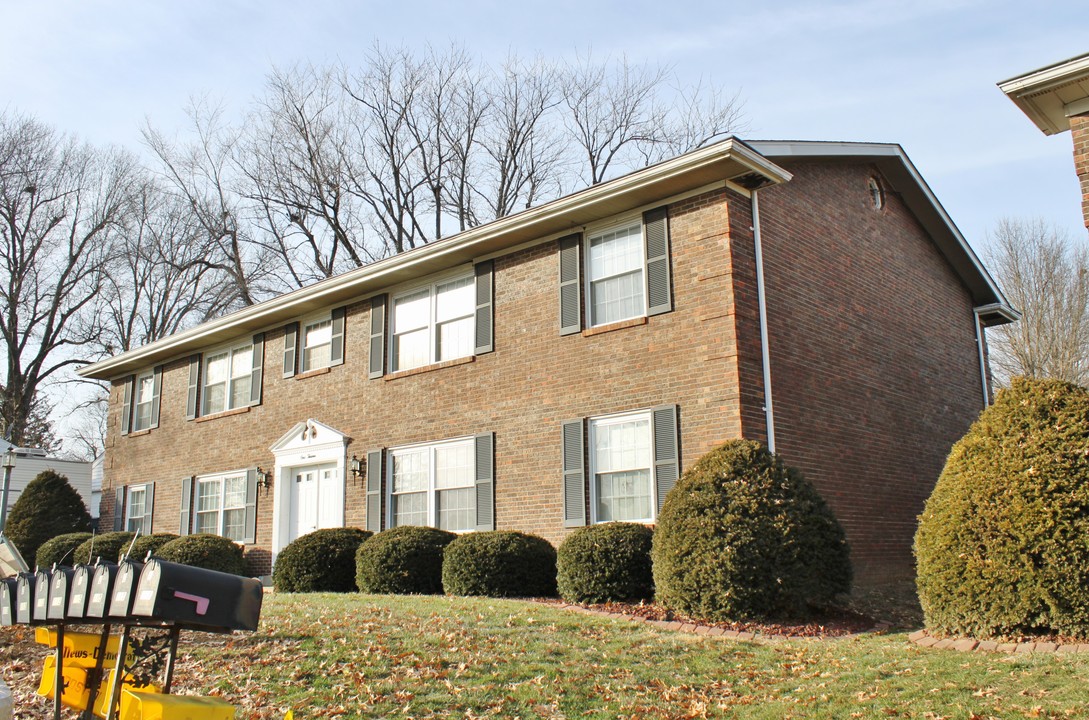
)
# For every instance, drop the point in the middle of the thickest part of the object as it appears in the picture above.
(421, 657)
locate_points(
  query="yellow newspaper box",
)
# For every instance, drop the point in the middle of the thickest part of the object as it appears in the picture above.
(76, 692)
(80, 649)
(148, 706)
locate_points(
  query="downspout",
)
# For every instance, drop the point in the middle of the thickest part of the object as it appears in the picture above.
(982, 359)
(765, 353)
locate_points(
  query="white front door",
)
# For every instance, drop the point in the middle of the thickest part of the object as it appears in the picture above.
(317, 499)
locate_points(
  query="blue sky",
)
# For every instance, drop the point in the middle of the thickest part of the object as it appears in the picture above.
(922, 74)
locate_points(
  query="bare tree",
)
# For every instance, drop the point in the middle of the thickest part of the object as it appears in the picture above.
(62, 205)
(700, 115)
(1046, 276)
(203, 174)
(612, 109)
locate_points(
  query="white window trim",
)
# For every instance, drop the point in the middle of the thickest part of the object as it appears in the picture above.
(592, 231)
(429, 284)
(647, 414)
(195, 512)
(432, 506)
(229, 390)
(136, 426)
(128, 507)
(300, 341)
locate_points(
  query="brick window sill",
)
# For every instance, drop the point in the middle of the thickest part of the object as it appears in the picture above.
(138, 433)
(225, 413)
(634, 322)
(313, 373)
(429, 368)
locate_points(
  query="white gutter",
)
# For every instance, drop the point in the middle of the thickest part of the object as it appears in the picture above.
(765, 351)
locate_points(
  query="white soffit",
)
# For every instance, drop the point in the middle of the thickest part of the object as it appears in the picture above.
(1051, 95)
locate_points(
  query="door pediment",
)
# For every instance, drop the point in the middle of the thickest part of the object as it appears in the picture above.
(308, 435)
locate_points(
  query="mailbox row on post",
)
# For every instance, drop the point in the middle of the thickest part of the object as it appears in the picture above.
(132, 592)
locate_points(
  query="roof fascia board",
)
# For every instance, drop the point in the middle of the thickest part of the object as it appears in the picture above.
(372, 277)
(1047, 77)
(890, 152)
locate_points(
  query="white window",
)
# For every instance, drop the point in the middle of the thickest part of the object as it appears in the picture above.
(228, 376)
(433, 323)
(221, 506)
(137, 510)
(143, 408)
(434, 485)
(317, 344)
(615, 262)
(621, 462)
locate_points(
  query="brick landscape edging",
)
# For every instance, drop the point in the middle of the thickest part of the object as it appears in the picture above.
(712, 630)
(924, 639)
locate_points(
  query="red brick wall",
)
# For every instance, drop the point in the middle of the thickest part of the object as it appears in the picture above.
(875, 370)
(1079, 130)
(522, 392)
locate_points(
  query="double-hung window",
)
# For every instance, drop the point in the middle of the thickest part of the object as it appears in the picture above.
(228, 378)
(615, 274)
(317, 343)
(621, 465)
(143, 407)
(137, 511)
(221, 506)
(433, 323)
(434, 485)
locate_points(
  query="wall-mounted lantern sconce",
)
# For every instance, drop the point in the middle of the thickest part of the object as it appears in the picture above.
(357, 467)
(264, 479)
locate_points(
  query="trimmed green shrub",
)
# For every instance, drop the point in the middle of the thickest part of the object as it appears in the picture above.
(145, 544)
(742, 535)
(604, 563)
(1003, 542)
(48, 506)
(321, 561)
(499, 563)
(203, 550)
(402, 560)
(60, 549)
(106, 546)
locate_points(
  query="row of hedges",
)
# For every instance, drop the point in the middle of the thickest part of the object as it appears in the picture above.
(741, 535)
(211, 552)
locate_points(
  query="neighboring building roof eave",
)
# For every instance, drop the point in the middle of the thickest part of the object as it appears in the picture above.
(724, 160)
(1050, 95)
(898, 170)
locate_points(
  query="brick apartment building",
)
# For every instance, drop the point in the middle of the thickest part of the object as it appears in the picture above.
(563, 365)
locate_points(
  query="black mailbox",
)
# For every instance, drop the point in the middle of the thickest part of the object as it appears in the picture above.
(98, 602)
(197, 598)
(9, 590)
(41, 595)
(24, 604)
(59, 586)
(80, 590)
(124, 589)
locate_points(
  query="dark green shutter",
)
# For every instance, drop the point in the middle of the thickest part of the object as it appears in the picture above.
(485, 482)
(656, 237)
(156, 392)
(377, 361)
(251, 507)
(574, 475)
(186, 504)
(291, 337)
(191, 406)
(485, 325)
(257, 372)
(149, 507)
(374, 490)
(570, 285)
(126, 405)
(336, 343)
(118, 510)
(667, 460)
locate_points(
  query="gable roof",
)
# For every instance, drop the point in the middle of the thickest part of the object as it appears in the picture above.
(901, 174)
(746, 164)
(1052, 94)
